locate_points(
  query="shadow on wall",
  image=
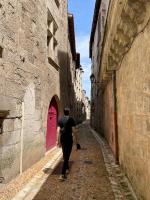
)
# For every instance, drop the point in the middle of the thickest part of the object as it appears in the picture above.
(67, 90)
(64, 63)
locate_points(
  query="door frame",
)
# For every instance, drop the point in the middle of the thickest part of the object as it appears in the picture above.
(56, 99)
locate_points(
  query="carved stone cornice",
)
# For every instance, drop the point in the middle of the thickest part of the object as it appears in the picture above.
(126, 18)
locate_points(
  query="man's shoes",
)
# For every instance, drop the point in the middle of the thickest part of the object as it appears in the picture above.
(67, 171)
(62, 177)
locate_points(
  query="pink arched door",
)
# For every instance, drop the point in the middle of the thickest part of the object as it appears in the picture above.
(51, 125)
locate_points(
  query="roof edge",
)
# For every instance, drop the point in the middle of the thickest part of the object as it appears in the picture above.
(72, 34)
(94, 23)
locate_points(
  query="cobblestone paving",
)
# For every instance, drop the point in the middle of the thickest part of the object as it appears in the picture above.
(88, 178)
(93, 175)
(8, 191)
(121, 187)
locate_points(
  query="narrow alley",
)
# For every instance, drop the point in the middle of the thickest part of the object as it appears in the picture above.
(86, 64)
(89, 178)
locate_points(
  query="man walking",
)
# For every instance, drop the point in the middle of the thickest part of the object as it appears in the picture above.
(65, 129)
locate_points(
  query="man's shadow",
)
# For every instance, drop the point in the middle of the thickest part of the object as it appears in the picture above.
(58, 168)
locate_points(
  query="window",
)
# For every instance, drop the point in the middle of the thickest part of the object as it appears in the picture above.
(52, 42)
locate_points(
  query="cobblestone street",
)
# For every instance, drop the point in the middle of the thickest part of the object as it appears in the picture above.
(66, 63)
(88, 178)
(93, 175)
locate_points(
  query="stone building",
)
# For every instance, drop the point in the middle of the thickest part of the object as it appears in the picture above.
(121, 86)
(78, 90)
(34, 57)
(96, 40)
(86, 108)
(75, 71)
(73, 65)
(74, 74)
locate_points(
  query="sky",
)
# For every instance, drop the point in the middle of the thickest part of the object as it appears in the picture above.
(83, 15)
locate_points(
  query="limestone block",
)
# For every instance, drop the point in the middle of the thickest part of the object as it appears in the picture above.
(8, 125)
(2, 85)
(11, 138)
(37, 126)
(17, 124)
(10, 55)
(7, 103)
(37, 115)
(29, 122)
(20, 75)
(28, 158)
(14, 89)
(10, 161)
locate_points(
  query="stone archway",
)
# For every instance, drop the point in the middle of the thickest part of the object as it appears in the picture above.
(51, 134)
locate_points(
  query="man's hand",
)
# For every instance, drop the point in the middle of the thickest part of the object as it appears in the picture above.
(58, 144)
(58, 137)
(74, 130)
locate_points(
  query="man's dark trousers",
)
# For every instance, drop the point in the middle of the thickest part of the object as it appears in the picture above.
(66, 149)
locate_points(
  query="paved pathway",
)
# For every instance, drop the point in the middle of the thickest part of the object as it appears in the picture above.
(93, 175)
(88, 178)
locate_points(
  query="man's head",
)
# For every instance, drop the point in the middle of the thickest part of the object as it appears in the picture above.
(66, 111)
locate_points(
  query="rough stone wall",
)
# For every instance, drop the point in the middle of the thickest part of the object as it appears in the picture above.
(63, 57)
(108, 116)
(19, 38)
(70, 79)
(27, 81)
(96, 108)
(133, 85)
(126, 51)
(78, 91)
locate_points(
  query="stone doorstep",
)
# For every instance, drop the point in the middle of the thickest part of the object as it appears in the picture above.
(32, 188)
(109, 161)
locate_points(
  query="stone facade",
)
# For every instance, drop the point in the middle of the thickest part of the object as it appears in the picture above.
(86, 106)
(96, 42)
(133, 96)
(109, 116)
(33, 56)
(125, 93)
(78, 92)
(75, 78)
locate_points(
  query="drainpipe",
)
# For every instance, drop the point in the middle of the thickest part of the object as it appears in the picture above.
(21, 139)
(115, 117)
